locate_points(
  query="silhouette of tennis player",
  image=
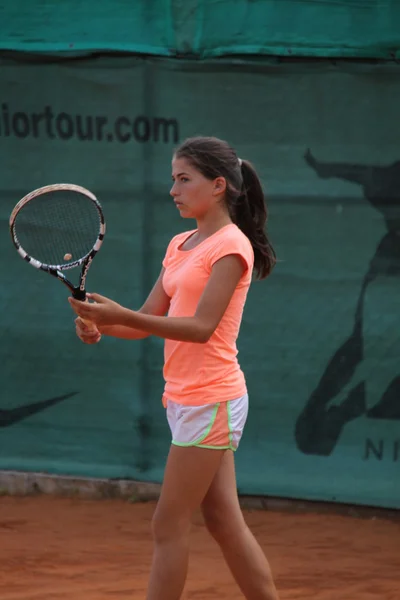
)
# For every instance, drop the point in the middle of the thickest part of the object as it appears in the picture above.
(363, 375)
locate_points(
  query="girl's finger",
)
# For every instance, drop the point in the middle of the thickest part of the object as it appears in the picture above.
(80, 308)
(97, 298)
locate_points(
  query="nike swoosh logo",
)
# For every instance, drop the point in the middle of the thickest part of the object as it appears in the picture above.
(15, 415)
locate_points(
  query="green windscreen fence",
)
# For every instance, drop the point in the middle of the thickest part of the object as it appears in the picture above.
(320, 340)
(204, 28)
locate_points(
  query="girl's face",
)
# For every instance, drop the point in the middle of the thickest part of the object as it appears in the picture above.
(193, 194)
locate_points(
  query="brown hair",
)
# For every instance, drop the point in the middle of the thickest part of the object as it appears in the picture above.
(245, 199)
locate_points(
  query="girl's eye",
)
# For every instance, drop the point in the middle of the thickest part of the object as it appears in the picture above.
(184, 179)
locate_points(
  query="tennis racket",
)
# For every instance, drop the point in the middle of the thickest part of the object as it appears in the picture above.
(59, 227)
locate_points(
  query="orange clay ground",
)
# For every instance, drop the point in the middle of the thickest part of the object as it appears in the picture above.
(60, 548)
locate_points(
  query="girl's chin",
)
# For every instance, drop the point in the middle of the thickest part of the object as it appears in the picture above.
(185, 213)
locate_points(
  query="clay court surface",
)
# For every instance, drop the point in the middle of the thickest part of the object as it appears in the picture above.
(58, 548)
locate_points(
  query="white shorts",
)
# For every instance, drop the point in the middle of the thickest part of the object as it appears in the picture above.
(218, 426)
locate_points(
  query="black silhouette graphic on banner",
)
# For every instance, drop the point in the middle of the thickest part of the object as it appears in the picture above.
(12, 416)
(340, 395)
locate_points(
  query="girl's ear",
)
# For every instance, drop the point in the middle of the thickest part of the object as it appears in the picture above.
(219, 186)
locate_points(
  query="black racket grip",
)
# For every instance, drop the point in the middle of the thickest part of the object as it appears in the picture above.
(81, 296)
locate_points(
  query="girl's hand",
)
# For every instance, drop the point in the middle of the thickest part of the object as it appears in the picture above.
(87, 335)
(102, 311)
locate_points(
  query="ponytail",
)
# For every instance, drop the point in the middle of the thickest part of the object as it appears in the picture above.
(249, 213)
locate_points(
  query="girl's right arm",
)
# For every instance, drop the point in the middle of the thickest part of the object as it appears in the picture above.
(157, 304)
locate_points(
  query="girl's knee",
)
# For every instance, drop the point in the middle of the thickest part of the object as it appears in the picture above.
(166, 527)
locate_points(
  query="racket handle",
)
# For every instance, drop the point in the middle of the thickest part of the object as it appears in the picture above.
(90, 325)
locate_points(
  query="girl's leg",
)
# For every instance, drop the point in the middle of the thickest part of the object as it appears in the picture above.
(188, 475)
(225, 522)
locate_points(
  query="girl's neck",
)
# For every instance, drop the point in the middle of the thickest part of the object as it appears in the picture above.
(210, 224)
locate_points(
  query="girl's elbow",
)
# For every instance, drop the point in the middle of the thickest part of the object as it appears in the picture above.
(203, 335)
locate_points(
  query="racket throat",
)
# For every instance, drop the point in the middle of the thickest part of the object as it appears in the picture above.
(77, 292)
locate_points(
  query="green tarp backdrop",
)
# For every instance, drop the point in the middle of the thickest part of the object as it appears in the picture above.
(320, 341)
(204, 28)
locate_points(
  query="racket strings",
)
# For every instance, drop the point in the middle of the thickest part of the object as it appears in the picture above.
(58, 228)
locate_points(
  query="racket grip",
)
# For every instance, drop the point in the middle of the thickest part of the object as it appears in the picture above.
(90, 325)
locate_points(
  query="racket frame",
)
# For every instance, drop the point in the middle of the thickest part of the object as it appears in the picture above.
(78, 291)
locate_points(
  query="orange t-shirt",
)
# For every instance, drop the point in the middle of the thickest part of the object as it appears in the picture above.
(197, 374)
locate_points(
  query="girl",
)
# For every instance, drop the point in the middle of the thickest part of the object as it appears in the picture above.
(203, 284)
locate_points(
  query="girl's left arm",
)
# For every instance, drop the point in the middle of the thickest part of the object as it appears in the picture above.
(225, 276)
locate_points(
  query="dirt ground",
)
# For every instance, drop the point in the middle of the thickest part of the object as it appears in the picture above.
(58, 548)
